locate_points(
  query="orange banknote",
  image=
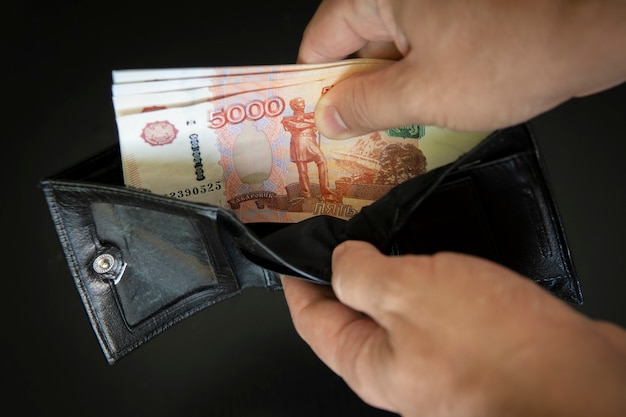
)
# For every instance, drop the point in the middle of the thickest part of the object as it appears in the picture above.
(257, 152)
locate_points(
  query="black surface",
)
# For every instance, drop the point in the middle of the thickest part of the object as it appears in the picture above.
(241, 357)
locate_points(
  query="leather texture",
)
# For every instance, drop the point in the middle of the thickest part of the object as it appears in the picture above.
(143, 262)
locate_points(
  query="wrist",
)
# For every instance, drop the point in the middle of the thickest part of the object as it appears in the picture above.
(579, 370)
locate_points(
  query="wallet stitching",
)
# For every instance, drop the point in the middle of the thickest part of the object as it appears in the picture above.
(161, 320)
(528, 195)
(527, 157)
(156, 329)
(550, 211)
(564, 251)
(214, 255)
(76, 273)
(134, 194)
(539, 226)
(554, 221)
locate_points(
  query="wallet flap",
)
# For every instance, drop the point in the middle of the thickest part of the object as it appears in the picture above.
(142, 262)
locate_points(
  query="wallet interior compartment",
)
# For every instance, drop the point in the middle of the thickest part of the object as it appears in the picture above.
(500, 210)
(451, 219)
(104, 167)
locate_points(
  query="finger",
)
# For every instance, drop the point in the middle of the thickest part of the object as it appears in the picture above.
(351, 344)
(339, 29)
(366, 280)
(300, 294)
(373, 101)
(409, 92)
(320, 318)
(396, 292)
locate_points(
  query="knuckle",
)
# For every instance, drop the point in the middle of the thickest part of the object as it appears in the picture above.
(396, 295)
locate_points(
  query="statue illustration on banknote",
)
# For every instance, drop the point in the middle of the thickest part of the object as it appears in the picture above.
(305, 148)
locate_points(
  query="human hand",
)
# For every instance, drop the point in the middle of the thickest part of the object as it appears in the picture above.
(452, 334)
(477, 65)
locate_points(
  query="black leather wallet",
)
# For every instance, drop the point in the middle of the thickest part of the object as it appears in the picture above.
(144, 262)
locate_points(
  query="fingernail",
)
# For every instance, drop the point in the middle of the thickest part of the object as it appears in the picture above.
(333, 123)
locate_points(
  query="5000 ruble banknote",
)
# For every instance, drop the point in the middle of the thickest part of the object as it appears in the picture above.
(259, 154)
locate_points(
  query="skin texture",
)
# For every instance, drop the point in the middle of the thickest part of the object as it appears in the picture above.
(451, 334)
(463, 65)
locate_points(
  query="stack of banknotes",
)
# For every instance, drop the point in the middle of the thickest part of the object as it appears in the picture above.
(244, 138)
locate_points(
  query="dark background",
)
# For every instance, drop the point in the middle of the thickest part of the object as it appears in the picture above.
(241, 357)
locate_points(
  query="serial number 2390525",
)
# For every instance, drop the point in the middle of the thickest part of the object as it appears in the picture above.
(196, 190)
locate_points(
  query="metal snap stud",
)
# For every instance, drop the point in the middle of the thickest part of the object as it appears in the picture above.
(103, 263)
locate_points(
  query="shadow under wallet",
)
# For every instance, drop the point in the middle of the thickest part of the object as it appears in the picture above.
(143, 262)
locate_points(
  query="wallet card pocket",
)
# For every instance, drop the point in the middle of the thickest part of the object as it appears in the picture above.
(167, 253)
(450, 219)
(142, 262)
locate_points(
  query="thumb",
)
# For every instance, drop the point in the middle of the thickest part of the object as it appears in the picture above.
(371, 101)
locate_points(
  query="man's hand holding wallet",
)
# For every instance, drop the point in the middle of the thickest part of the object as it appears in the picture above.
(269, 196)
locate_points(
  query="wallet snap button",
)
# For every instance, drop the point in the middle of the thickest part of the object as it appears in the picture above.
(109, 265)
(103, 263)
